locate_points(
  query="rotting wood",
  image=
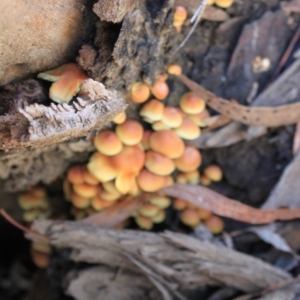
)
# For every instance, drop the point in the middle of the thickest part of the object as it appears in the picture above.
(36, 125)
(176, 261)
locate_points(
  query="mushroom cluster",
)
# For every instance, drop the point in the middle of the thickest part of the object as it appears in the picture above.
(221, 3)
(35, 205)
(192, 216)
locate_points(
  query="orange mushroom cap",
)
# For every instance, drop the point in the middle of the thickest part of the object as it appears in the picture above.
(152, 110)
(120, 118)
(167, 143)
(75, 175)
(213, 172)
(190, 217)
(179, 204)
(100, 166)
(139, 92)
(188, 130)
(172, 117)
(99, 204)
(130, 132)
(189, 161)
(180, 14)
(145, 140)
(159, 164)
(160, 89)
(108, 143)
(67, 81)
(88, 177)
(144, 222)
(224, 3)
(204, 214)
(215, 224)
(149, 182)
(85, 190)
(79, 201)
(159, 125)
(191, 103)
(174, 69)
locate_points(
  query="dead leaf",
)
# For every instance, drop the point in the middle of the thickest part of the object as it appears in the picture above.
(114, 215)
(255, 116)
(226, 207)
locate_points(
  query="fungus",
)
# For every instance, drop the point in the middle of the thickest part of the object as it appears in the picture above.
(199, 119)
(140, 92)
(159, 164)
(172, 117)
(149, 182)
(88, 177)
(148, 210)
(160, 89)
(120, 118)
(174, 69)
(159, 217)
(108, 143)
(167, 143)
(189, 161)
(188, 130)
(79, 201)
(204, 214)
(144, 222)
(130, 132)
(213, 172)
(160, 201)
(190, 217)
(75, 175)
(67, 81)
(224, 3)
(215, 224)
(190, 103)
(85, 190)
(152, 110)
(179, 204)
(159, 125)
(99, 204)
(145, 139)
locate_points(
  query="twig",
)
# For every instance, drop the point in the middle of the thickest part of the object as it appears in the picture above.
(12, 221)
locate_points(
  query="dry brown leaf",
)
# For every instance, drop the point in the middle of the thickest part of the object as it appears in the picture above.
(114, 215)
(226, 207)
(255, 116)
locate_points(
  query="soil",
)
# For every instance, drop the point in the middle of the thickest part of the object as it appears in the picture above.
(251, 169)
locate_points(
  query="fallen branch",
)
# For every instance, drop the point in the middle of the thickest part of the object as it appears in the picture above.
(225, 207)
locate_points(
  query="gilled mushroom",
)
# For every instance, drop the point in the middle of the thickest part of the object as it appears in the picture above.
(130, 132)
(140, 92)
(108, 143)
(189, 161)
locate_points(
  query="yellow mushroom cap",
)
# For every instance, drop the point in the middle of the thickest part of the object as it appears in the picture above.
(108, 143)
(179, 204)
(152, 110)
(188, 130)
(215, 224)
(79, 201)
(139, 92)
(144, 222)
(204, 214)
(130, 132)
(161, 202)
(180, 14)
(204, 180)
(224, 3)
(190, 103)
(181, 178)
(174, 69)
(85, 190)
(145, 140)
(193, 177)
(159, 125)
(100, 166)
(190, 217)
(189, 161)
(75, 175)
(213, 172)
(67, 81)
(159, 217)
(199, 119)
(88, 177)
(149, 182)
(160, 89)
(167, 143)
(120, 118)
(148, 210)
(98, 203)
(30, 200)
(159, 164)
(172, 117)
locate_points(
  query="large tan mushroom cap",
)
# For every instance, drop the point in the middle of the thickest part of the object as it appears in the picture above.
(190, 103)
(160, 89)
(130, 132)
(188, 130)
(108, 143)
(140, 92)
(172, 117)
(159, 164)
(167, 143)
(152, 110)
(149, 182)
(100, 166)
(189, 161)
